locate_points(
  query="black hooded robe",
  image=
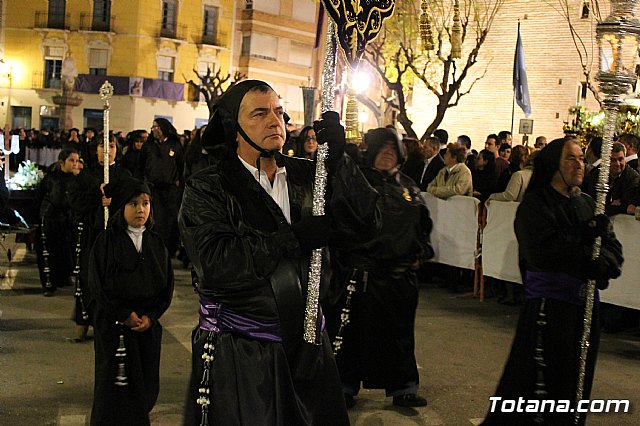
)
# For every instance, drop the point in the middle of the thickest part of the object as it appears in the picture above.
(85, 199)
(545, 356)
(378, 343)
(123, 280)
(240, 242)
(57, 225)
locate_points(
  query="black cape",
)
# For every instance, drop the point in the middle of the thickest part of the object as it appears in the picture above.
(239, 242)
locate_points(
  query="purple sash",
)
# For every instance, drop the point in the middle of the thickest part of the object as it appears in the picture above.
(218, 318)
(555, 285)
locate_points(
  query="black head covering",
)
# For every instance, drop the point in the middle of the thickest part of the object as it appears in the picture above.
(123, 190)
(168, 130)
(546, 164)
(375, 140)
(223, 124)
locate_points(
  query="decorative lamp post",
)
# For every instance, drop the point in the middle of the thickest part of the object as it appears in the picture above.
(617, 39)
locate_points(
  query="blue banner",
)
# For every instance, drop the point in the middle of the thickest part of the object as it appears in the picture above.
(520, 85)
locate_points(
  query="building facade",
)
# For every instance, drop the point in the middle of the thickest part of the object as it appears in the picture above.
(554, 72)
(148, 49)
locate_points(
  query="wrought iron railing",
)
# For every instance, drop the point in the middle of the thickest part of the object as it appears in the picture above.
(91, 22)
(58, 21)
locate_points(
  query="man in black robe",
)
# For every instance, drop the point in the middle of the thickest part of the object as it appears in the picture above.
(247, 227)
(555, 227)
(379, 278)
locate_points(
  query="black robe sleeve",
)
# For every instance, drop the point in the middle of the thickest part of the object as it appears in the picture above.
(226, 250)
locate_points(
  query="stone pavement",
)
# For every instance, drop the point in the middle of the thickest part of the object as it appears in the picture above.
(461, 344)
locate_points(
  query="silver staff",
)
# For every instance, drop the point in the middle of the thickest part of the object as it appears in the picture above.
(615, 78)
(106, 92)
(319, 186)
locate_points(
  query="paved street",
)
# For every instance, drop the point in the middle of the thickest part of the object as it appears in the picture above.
(45, 379)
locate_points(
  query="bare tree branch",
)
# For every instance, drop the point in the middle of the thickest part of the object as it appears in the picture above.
(400, 60)
(213, 85)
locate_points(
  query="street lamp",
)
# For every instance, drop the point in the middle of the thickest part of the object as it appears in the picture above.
(361, 81)
(617, 39)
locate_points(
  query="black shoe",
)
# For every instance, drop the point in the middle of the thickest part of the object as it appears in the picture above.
(349, 401)
(48, 293)
(409, 400)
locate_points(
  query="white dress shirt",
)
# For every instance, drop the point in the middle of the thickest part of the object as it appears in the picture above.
(136, 236)
(279, 191)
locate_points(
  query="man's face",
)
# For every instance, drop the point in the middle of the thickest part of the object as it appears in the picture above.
(144, 135)
(617, 163)
(261, 116)
(157, 132)
(113, 150)
(491, 145)
(89, 134)
(386, 159)
(429, 150)
(571, 169)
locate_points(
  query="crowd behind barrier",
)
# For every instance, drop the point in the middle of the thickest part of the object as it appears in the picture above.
(500, 253)
(455, 229)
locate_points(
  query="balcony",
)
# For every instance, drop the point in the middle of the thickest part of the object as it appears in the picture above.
(218, 39)
(171, 30)
(58, 21)
(90, 22)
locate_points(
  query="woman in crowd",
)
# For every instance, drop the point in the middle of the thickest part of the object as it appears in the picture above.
(518, 159)
(55, 245)
(132, 283)
(379, 279)
(87, 202)
(307, 145)
(131, 158)
(518, 182)
(555, 227)
(484, 175)
(455, 177)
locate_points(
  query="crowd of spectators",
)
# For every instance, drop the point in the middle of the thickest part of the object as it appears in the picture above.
(501, 171)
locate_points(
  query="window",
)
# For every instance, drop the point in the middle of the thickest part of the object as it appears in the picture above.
(101, 15)
(52, 69)
(583, 90)
(248, 4)
(260, 46)
(168, 24)
(55, 18)
(584, 14)
(49, 117)
(21, 117)
(166, 67)
(305, 10)
(93, 118)
(267, 6)
(98, 61)
(210, 25)
(300, 54)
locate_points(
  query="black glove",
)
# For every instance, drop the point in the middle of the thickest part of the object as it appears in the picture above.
(597, 226)
(312, 232)
(329, 131)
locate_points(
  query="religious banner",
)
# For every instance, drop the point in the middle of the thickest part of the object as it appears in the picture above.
(358, 22)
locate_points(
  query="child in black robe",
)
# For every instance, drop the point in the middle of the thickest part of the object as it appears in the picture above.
(131, 283)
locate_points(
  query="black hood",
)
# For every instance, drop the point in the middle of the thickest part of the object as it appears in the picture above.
(223, 124)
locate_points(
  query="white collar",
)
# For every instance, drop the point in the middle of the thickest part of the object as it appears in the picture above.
(254, 170)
